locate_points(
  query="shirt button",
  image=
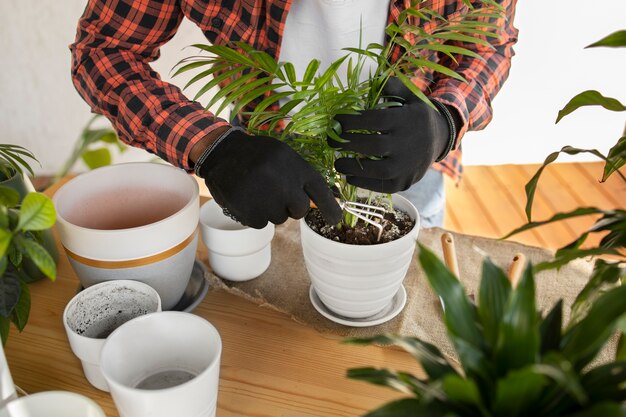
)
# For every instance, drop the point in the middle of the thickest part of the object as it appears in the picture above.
(217, 22)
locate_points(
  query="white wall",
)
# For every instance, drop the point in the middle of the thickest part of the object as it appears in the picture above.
(40, 109)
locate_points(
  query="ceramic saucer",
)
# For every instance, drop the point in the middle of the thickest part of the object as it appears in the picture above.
(195, 292)
(392, 310)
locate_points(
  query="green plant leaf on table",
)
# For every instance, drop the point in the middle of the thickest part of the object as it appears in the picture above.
(20, 313)
(590, 98)
(10, 290)
(409, 407)
(38, 254)
(606, 382)
(615, 159)
(36, 213)
(615, 39)
(517, 392)
(5, 240)
(493, 296)
(9, 197)
(14, 157)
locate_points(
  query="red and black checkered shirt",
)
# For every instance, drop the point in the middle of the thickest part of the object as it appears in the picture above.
(117, 39)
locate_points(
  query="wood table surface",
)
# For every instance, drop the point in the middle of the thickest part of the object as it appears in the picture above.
(271, 366)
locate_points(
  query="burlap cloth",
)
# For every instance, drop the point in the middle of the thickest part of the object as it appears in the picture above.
(285, 285)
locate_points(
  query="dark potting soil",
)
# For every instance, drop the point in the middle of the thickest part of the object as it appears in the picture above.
(397, 223)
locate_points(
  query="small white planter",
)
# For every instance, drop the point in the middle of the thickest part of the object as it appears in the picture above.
(236, 252)
(52, 404)
(358, 281)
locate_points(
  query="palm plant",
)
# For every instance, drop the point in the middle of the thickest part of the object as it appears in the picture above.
(514, 360)
(13, 159)
(310, 102)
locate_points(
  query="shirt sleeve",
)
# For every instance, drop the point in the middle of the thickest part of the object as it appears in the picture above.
(115, 42)
(485, 76)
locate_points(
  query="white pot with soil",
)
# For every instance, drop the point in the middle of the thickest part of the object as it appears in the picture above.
(359, 281)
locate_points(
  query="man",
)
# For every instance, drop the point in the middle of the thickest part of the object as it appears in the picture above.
(259, 179)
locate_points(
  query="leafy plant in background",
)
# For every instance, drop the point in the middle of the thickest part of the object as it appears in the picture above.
(610, 223)
(13, 159)
(93, 147)
(514, 360)
(21, 225)
(310, 102)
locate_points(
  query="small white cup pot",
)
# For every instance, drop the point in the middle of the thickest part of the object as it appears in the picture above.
(7, 388)
(163, 365)
(52, 404)
(96, 312)
(134, 221)
(236, 252)
(358, 281)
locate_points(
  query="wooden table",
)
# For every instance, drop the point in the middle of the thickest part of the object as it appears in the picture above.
(271, 366)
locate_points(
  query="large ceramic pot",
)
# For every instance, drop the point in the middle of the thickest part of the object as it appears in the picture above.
(358, 281)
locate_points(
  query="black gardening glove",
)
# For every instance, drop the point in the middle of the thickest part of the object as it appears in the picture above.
(411, 138)
(257, 179)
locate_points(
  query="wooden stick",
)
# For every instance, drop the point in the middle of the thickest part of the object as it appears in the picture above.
(516, 269)
(449, 253)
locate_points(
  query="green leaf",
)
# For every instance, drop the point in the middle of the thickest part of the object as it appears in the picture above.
(15, 256)
(493, 296)
(602, 410)
(615, 159)
(424, 63)
(4, 263)
(10, 290)
(620, 352)
(5, 222)
(408, 407)
(463, 391)
(582, 211)
(615, 39)
(5, 241)
(290, 71)
(518, 336)
(413, 88)
(459, 314)
(550, 329)
(36, 213)
(97, 158)
(455, 36)
(233, 86)
(39, 255)
(604, 273)
(311, 70)
(429, 356)
(9, 197)
(590, 98)
(606, 382)
(330, 72)
(190, 66)
(517, 392)
(216, 81)
(565, 256)
(531, 186)
(450, 50)
(20, 314)
(109, 137)
(5, 326)
(398, 381)
(582, 342)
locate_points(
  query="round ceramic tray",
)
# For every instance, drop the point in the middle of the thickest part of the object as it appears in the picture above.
(196, 290)
(392, 310)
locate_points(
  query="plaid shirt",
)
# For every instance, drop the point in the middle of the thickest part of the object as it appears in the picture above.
(117, 39)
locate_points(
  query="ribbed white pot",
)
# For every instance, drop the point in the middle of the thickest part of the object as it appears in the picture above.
(358, 281)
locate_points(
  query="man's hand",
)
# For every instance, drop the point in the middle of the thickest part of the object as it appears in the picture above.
(404, 142)
(259, 179)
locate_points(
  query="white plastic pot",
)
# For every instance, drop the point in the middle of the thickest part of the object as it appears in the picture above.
(358, 281)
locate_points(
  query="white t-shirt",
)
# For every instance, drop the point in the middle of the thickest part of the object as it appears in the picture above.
(319, 29)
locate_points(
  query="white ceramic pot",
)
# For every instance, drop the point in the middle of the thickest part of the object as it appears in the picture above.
(164, 365)
(7, 388)
(358, 281)
(52, 404)
(133, 221)
(96, 312)
(236, 252)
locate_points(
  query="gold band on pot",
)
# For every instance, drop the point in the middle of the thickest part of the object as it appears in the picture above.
(131, 263)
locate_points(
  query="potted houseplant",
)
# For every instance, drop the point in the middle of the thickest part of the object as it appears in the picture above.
(517, 361)
(306, 118)
(23, 257)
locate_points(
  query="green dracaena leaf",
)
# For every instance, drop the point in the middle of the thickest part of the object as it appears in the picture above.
(463, 391)
(550, 329)
(5, 241)
(517, 392)
(36, 213)
(429, 356)
(518, 335)
(590, 98)
(614, 40)
(494, 292)
(615, 159)
(5, 326)
(582, 342)
(409, 407)
(581, 211)
(606, 382)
